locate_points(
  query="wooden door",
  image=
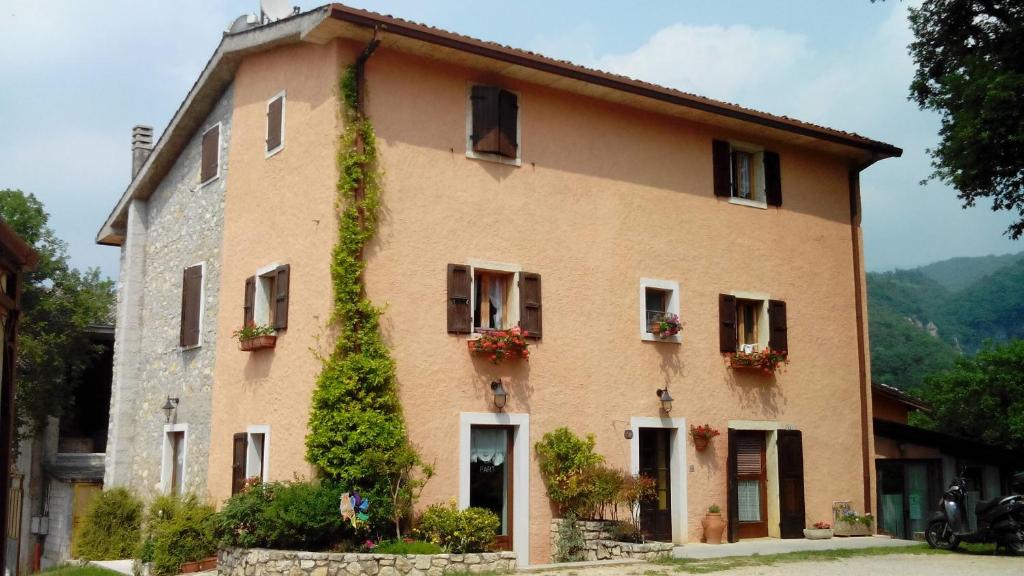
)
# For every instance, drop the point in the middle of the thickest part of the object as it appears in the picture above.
(791, 484)
(655, 460)
(83, 495)
(751, 484)
(491, 476)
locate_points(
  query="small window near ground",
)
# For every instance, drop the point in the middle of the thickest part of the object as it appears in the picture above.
(173, 472)
(659, 310)
(493, 308)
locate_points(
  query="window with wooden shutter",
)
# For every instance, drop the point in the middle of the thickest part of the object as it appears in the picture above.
(772, 178)
(508, 120)
(495, 121)
(191, 305)
(727, 322)
(778, 328)
(530, 304)
(275, 124)
(721, 165)
(210, 156)
(249, 305)
(238, 461)
(460, 286)
(280, 300)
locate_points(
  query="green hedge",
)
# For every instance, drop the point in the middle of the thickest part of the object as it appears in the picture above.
(459, 531)
(112, 527)
(284, 515)
(178, 529)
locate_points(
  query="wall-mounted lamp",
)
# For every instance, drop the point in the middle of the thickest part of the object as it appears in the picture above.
(666, 399)
(500, 395)
(169, 407)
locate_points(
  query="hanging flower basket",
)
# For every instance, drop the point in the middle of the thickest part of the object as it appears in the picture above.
(254, 336)
(767, 360)
(500, 345)
(667, 327)
(257, 343)
(702, 435)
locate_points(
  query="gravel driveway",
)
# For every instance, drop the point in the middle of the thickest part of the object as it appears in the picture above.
(896, 565)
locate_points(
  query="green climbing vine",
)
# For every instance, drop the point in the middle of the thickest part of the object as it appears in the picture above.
(357, 434)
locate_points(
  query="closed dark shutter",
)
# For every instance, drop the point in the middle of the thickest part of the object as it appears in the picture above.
(772, 178)
(778, 337)
(280, 302)
(791, 484)
(508, 118)
(732, 488)
(238, 463)
(191, 305)
(529, 304)
(250, 301)
(485, 102)
(721, 164)
(210, 154)
(275, 115)
(460, 285)
(727, 322)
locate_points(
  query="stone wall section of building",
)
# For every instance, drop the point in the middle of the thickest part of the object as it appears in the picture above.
(181, 225)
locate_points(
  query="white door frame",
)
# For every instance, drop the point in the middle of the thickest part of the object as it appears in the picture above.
(771, 464)
(677, 466)
(520, 424)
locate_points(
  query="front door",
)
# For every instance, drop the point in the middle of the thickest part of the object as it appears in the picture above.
(83, 495)
(490, 476)
(751, 481)
(655, 459)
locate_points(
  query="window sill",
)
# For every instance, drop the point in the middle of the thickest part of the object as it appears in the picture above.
(648, 337)
(496, 158)
(274, 151)
(209, 181)
(751, 203)
(192, 347)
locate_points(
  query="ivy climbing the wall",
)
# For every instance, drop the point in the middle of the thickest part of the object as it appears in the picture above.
(357, 435)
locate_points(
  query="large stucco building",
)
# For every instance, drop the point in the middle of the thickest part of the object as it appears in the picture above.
(501, 168)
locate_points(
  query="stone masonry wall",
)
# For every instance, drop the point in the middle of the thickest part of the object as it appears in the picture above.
(599, 545)
(252, 562)
(181, 225)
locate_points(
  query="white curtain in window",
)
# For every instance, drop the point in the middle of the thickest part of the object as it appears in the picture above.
(749, 492)
(497, 299)
(488, 445)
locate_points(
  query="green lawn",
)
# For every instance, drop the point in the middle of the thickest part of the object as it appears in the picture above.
(694, 566)
(79, 571)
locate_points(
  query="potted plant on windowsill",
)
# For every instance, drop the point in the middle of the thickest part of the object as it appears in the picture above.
(713, 525)
(501, 345)
(254, 336)
(768, 360)
(702, 435)
(666, 327)
(821, 531)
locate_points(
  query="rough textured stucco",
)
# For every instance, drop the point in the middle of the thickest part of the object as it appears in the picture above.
(181, 226)
(606, 195)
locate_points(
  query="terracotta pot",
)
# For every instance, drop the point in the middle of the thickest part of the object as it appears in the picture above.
(257, 343)
(207, 563)
(189, 567)
(700, 443)
(714, 526)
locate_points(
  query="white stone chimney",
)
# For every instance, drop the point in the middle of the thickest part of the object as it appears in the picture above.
(142, 145)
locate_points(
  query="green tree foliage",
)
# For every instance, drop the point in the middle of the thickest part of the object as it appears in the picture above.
(981, 397)
(459, 531)
(284, 515)
(970, 69)
(58, 303)
(357, 434)
(177, 530)
(565, 462)
(112, 527)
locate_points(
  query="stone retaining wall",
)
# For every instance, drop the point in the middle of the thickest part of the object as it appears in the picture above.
(599, 545)
(257, 561)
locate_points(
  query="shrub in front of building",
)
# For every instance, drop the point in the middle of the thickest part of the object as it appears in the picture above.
(178, 529)
(112, 527)
(458, 531)
(300, 515)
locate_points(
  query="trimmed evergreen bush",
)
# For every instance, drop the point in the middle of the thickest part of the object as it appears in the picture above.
(178, 529)
(283, 515)
(112, 527)
(459, 531)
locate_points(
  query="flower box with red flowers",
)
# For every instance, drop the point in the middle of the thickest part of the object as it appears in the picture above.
(665, 327)
(500, 345)
(702, 435)
(767, 360)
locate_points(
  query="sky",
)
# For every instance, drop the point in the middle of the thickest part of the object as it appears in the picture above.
(77, 75)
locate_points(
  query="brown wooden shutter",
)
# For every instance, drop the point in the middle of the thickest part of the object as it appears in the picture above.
(248, 307)
(238, 463)
(191, 305)
(732, 490)
(275, 114)
(485, 102)
(791, 484)
(210, 154)
(721, 164)
(460, 285)
(508, 118)
(772, 178)
(727, 322)
(778, 337)
(280, 302)
(530, 304)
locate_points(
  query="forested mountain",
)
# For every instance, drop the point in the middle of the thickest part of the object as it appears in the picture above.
(920, 320)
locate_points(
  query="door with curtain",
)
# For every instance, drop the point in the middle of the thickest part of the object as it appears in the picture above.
(748, 485)
(490, 476)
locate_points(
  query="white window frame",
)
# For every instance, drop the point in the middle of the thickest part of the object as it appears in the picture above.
(202, 303)
(677, 465)
(520, 424)
(220, 142)
(166, 462)
(671, 308)
(758, 166)
(266, 135)
(470, 153)
(763, 328)
(513, 297)
(261, 300)
(263, 429)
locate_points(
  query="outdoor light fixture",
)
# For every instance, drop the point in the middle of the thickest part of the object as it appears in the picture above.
(500, 395)
(169, 407)
(666, 399)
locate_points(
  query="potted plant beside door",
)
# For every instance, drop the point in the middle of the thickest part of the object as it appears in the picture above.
(713, 525)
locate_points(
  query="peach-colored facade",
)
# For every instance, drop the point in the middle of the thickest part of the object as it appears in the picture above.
(606, 195)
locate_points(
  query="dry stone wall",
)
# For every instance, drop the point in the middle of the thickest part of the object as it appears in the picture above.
(599, 545)
(256, 561)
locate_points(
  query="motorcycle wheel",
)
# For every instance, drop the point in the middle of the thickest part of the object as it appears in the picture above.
(1017, 546)
(939, 535)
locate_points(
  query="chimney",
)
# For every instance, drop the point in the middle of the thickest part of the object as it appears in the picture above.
(142, 145)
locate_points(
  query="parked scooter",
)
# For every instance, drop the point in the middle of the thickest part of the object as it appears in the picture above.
(1000, 520)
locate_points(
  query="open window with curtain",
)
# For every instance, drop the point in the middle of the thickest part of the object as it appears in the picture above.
(493, 309)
